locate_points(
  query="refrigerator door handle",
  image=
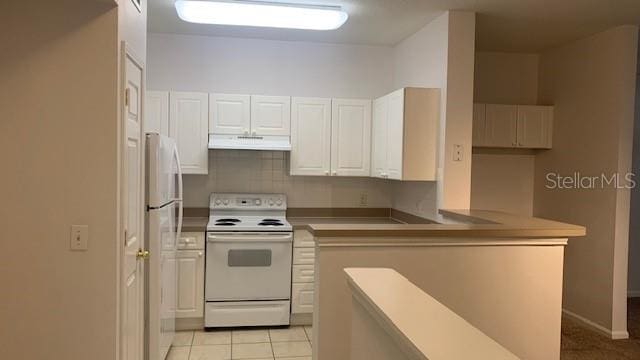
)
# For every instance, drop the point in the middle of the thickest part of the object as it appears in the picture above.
(180, 193)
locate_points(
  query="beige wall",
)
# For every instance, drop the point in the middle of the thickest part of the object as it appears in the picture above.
(634, 225)
(511, 293)
(441, 55)
(506, 78)
(501, 180)
(504, 182)
(591, 81)
(58, 138)
(268, 171)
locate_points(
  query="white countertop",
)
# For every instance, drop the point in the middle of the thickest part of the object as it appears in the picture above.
(433, 331)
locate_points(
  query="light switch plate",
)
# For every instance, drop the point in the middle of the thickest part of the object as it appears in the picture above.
(79, 240)
(457, 152)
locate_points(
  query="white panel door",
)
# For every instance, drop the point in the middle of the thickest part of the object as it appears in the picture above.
(230, 114)
(270, 115)
(132, 311)
(379, 137)
(190, 272)
(479, 125)
(351, 137)
(500, 125)
(188, 126)
(310, 136)
(534, 126)
(156, 119)
(395, 135)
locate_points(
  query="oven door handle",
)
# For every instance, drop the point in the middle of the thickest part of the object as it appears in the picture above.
(238, 238)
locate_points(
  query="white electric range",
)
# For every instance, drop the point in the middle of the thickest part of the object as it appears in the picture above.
(248, 262)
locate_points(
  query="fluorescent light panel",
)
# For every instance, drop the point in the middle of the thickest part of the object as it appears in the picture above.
(261, 14)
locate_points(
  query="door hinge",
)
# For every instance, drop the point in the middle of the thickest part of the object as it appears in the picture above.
(125, 236)
(126, 97)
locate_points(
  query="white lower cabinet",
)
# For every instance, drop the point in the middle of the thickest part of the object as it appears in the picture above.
(303, 276)
(302, 298)
(190, 274)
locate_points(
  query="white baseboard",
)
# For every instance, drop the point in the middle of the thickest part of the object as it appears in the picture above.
(614, 335)
(633, 293)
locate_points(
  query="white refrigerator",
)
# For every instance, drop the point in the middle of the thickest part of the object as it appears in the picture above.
(163, 226)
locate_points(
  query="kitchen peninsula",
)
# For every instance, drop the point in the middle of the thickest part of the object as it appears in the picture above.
(500, 272)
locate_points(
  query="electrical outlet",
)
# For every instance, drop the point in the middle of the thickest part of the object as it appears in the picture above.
(79, 237)
(364, 199)
(457, 152)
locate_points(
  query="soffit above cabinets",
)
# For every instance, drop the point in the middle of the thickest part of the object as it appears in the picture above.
(502, 25)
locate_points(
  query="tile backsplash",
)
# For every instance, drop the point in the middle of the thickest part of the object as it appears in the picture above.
(246, 171)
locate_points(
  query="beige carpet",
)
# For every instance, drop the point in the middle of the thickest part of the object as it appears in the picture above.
(584, 344)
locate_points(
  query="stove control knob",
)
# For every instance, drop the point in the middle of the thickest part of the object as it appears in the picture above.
(258, 202)
(279, 202)
(218, 202)
(226, 201)
(270, 202)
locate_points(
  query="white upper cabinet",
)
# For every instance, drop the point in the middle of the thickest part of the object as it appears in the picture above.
(535, 125)
(310, 136)
(270, 115)
(157, 112)
(188, 126)
(350, 137)
(230, 114)
(405, 132)
(379, 137)
(512, 126)
(395, 135)
(249, 115)
(500, 125)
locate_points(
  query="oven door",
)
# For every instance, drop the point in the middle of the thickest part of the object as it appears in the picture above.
(248, 266)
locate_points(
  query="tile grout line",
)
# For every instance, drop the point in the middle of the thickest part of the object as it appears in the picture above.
(271, 344)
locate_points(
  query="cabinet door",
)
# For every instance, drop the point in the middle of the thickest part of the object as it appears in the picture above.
(270, 115)
(379, 137)
(395, 138)
(500, 130)
(302, 298)
(188, 127)
(310, 136)
(535, 124)
(230, 114)
(156, 119)
(479, 125)
(190, 272)
(351, 137)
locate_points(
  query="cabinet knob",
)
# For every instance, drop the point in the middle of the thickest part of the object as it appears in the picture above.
(246, 132)
(200, 254)
(335, 173)
(326, 173)
(254, 133)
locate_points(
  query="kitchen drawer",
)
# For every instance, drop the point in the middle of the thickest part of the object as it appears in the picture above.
(191, 241)
(303, 238)
(302, 298)
(304, 256)
(303, 273)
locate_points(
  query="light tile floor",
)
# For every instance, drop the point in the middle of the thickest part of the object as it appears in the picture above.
(292, 343)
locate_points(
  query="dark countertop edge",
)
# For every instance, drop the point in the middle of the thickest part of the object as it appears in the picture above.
(481, 224)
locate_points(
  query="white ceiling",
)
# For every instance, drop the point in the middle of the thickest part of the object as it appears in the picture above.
(502, 25)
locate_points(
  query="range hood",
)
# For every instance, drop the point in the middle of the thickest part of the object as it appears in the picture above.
(244, 142)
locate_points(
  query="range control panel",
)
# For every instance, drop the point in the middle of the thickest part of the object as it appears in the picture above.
(248, 201)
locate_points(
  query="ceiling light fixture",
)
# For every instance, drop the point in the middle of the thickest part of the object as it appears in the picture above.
(262, 14)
